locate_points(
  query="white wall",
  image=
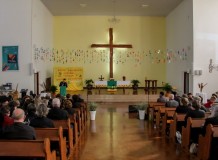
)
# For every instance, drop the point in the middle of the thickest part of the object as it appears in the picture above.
(179, 27)
(42, 37)
(15, 30)
(205, 43)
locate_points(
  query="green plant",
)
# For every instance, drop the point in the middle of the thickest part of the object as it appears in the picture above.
(93, 106)
(167, 87)
(53, 89)
(89, 82)
(135, 82)
(142, 106)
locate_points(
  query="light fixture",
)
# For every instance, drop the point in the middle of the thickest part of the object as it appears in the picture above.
(114, 19)
(145, 5)
(83, 5)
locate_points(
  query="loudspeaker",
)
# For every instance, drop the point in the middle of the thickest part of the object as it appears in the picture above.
(31, 68)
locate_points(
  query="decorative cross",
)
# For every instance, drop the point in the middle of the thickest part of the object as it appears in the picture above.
(111, 46)
(101, 78)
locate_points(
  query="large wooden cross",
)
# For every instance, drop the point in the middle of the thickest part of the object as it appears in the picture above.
(111, 46)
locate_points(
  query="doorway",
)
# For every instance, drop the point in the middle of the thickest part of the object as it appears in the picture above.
(186, 82)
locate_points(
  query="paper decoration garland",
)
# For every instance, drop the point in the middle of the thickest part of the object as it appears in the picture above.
(90, 56)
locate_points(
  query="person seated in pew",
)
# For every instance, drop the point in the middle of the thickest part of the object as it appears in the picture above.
(176, 97)
(196, 112)
(18, 130)
(202, 105)
(5, 119)
(171, 102)
(212, 119)
(69, 97)
(41, 121)
(161, 98)
(210, 103)
(67, 105)
(56, 113)
(190, 97)
(30, 113)
(184, 107)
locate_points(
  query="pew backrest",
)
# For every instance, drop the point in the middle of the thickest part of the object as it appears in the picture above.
(55, 135)
(27, 148)
(65, 124)
(186, 131)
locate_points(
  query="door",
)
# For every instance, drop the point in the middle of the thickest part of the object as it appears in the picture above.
(186, 82)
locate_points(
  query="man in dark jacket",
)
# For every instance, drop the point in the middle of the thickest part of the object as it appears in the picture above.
(18, 130)
(56, 113)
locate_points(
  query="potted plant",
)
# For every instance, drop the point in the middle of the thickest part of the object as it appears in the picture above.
(92, 109)
(135, 84)
(53, 89)
(168, 88)
(89, 84)
(141, 108)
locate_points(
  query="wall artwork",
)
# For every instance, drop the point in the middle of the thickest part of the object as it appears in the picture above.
(73, 76)
(10, 58)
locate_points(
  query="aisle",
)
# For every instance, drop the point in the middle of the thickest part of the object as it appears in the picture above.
(116, 135)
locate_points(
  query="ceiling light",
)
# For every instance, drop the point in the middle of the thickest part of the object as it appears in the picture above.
(145, 5)
(83, 5)
(114, 19)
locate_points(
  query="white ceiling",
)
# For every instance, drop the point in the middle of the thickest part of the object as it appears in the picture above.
(111, 7)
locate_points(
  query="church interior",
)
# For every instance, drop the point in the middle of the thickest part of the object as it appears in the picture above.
(117, 55)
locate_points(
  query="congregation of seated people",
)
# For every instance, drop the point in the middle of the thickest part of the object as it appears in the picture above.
(19, 117)
(193, 106)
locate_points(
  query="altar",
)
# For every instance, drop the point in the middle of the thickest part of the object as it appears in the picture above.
(112, 85)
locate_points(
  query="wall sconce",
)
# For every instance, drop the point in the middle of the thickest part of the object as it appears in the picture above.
(212, 66)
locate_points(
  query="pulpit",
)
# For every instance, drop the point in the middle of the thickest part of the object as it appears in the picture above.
(63, 91)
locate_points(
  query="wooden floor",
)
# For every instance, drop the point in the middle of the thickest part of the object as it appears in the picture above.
(118, 135)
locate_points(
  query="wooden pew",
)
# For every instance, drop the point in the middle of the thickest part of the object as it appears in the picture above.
(55, 135)
(173, 124)
(156, 117)
(186, 131)
(167, 118)
(160, 114)
(75, 120)
(150, 109)
(68, 130)
(80, 119)
(204, 142)
(26, 149)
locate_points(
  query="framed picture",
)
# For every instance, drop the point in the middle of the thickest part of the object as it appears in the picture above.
(10, 58)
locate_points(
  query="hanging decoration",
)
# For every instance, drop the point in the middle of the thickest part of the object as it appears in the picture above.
(89, 56)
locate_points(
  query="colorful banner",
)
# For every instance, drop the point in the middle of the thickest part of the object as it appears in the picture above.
(10, 58)
(73, 76)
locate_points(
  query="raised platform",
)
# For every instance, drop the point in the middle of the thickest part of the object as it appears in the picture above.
(121, 98)
(103, 95)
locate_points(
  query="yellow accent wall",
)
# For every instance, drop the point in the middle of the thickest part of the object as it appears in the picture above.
(144, 33)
